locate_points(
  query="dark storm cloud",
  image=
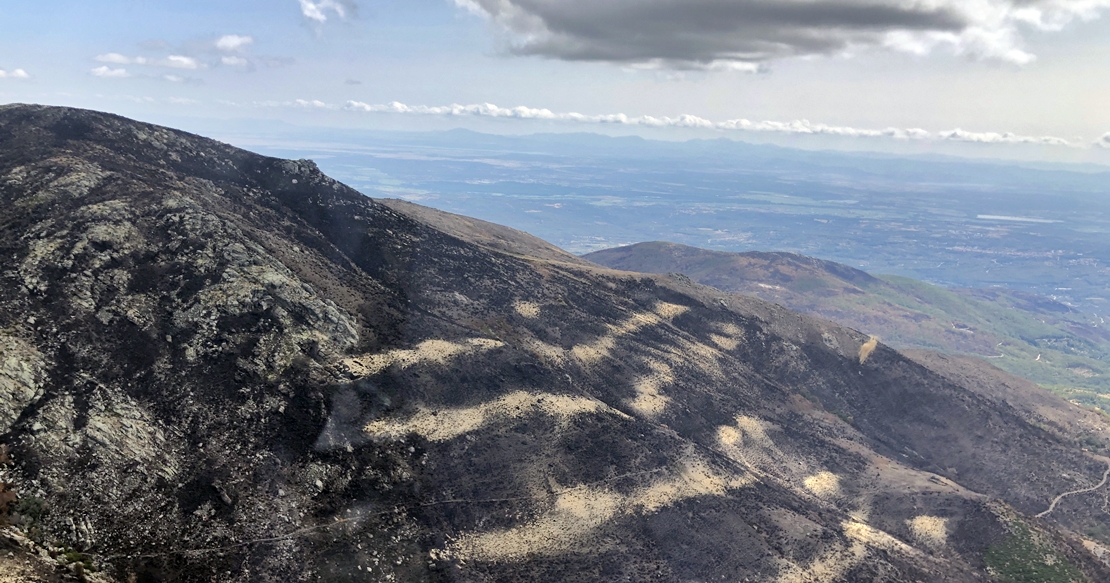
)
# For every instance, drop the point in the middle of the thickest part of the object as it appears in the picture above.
(701, 33)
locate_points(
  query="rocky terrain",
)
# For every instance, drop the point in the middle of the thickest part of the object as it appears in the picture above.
(217, 366)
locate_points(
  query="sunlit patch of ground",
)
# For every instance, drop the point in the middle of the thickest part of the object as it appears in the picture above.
(867, 348)
(876, 538)
(429, 351)
(893, 477)
(730, 436)
(573, 515)
(649, 400)
(697, 478)
(830, 566)
(578, 512)
(748, 443)
(670, 311)
(1099, 551)
(684, 353)
(837, 561)
(729, 329)
(447, 424)
(729, 336)
(593, 352)
(931, 531)
(688, 353)
(12, 571)
(547, 352)
(753, 430)
(527, 309)
(823, 484)
(724, 342)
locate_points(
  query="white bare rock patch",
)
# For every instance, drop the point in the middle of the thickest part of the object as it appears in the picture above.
(253, 283)
(126, 431)
(21, 377)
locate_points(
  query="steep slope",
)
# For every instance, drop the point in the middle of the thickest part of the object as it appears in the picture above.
(497, 237)
(223, 367)
(1031, 336)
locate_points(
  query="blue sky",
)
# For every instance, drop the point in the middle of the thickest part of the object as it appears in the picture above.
(1004, 75)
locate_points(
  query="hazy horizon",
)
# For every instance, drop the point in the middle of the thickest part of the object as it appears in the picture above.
(991, 78)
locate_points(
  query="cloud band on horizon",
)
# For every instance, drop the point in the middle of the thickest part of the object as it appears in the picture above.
(170, 62)
(796, 127)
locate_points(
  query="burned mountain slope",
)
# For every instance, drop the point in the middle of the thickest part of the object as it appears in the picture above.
(224, 367)
(1035, 337)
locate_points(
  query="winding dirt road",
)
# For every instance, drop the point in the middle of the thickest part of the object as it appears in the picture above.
(1051, 507)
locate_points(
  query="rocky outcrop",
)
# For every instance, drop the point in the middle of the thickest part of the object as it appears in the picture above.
(21, 378)
(226, 367)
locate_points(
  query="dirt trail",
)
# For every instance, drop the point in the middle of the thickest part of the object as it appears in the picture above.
(1051, 507)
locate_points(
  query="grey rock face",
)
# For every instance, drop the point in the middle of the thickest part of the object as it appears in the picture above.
(223, 367)
(21, 378)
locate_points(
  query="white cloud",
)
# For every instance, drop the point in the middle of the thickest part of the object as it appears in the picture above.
(106, 71)
(233, 42)
(118, 59)
(706, 34)
(1104, 141)
(179, 62)
(958, 135)
(796, 127)
(171, 62)
(300, 103)
(14, 74)
(234, 61)
(173, 78)
(317, 11)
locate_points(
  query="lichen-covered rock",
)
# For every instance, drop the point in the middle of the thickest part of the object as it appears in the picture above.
(22, 371)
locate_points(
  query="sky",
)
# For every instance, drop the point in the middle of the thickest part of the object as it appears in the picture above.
(1004, 78)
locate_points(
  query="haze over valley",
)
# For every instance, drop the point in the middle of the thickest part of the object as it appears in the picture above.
(957, 223)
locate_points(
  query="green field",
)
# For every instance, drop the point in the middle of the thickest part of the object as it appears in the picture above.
(1062, 350)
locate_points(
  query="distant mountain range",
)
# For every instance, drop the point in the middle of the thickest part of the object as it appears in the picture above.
(217, 366)
(1028, 335)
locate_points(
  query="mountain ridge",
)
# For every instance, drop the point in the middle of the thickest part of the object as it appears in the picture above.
(1034, 337)
(224, 367)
